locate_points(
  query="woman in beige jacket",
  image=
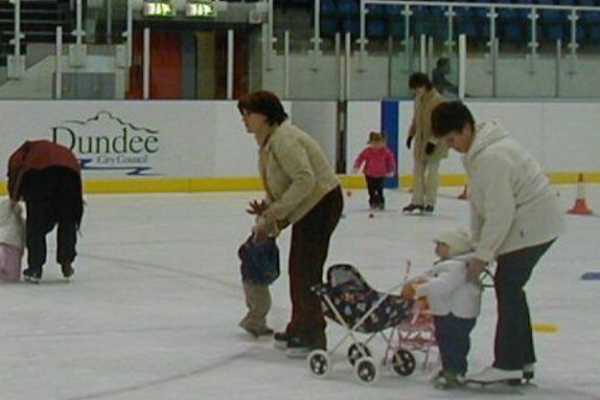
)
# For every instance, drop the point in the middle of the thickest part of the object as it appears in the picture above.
(303, 191)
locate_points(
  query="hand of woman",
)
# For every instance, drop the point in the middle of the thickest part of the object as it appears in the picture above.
(256, 207)
(475, 268)
(260, 235)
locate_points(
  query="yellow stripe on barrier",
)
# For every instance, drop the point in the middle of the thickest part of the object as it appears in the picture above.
(192, 185)
(545, 328)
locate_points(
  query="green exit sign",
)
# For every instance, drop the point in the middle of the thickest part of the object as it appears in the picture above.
(201, 9)
(159, 9)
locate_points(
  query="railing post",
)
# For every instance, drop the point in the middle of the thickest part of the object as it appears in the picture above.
(316, 52)
(16, 62)
(533, 45)
(78, 51)
(462, 66)
(573, 45)
(123, 52)
(271, 40)
(146, 65)
(58, 64)
(450, 40)
(230, 63)
(286, 64)
(558, 68)
(362, 41)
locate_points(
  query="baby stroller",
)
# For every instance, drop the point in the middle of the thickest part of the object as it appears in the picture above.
(349, 301)
(416, 334)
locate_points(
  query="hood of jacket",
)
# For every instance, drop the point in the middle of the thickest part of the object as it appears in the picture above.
(486, 133)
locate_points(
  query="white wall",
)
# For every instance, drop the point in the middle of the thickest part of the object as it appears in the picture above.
(198, 139)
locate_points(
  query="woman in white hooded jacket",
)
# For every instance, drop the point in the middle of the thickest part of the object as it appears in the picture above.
(515, 218)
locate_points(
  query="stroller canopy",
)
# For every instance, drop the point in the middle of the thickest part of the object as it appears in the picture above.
(359, 306)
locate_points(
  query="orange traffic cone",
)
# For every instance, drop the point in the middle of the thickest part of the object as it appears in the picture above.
(465, 193)
(580, 207)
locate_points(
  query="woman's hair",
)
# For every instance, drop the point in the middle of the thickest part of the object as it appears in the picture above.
(265, 103)
(450, 116)
(418, 80)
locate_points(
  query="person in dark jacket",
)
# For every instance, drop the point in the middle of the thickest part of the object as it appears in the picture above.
(47, 176)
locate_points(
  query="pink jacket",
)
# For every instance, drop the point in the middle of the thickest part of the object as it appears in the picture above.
(378, 162)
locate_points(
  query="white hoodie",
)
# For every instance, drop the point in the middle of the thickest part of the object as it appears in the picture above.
(448, 290)
(12, 225)
(512, 203)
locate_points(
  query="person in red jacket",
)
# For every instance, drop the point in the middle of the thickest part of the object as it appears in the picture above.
(377, 162)
(47, 176)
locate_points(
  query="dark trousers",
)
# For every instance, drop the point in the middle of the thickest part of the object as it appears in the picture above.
(513, 346)
(53, 199)
(308, 252)
(375, 189)
(452, 335)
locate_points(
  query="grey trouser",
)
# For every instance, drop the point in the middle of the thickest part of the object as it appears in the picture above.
(258, 300)
(426, 182)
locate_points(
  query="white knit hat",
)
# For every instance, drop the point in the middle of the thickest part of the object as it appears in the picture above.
(458, 240)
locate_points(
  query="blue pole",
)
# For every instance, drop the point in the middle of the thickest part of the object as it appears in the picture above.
(390, 122)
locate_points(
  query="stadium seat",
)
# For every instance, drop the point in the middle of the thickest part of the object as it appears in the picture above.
(553, 23)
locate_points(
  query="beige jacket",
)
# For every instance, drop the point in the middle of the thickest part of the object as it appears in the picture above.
(295, 173)
(513, 205)
(421, 128)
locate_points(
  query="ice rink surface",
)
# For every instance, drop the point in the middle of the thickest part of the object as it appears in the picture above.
(152, 311)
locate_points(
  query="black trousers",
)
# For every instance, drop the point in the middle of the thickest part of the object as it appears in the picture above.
(513, 345)
(308, 253)
(375, 189)
(53, 198)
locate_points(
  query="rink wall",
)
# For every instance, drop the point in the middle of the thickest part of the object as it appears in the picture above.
(190, 146)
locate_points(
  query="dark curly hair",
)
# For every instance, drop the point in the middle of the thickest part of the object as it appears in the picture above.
(418, 80)
(265, 103)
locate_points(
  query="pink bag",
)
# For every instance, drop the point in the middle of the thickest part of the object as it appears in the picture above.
(10, 263)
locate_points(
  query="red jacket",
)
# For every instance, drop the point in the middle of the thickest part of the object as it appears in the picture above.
(37, 155)
(379, 163)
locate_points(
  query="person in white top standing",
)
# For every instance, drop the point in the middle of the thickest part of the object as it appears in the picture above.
(515, 218)
(454, 301)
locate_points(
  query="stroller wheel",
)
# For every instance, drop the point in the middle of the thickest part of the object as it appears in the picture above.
(356, 351)
(319, 363)
(404, 362)
(365, 370)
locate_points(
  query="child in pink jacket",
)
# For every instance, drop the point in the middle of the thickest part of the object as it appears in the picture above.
(377, 162)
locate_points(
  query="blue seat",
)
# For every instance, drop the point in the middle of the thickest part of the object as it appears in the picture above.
(553, 23)
(348, 8)
(376, 29)
(351, 25)
(466, 22)
(397, 27)
(376, 10)
(394, 11)
(376, 21)
(328, 8)
(512, 24)
(329, 27)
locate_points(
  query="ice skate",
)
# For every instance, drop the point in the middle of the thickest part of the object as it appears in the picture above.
(413, 209)
(31, 275)
(492, 375)
(448, 380)
(67, 270)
